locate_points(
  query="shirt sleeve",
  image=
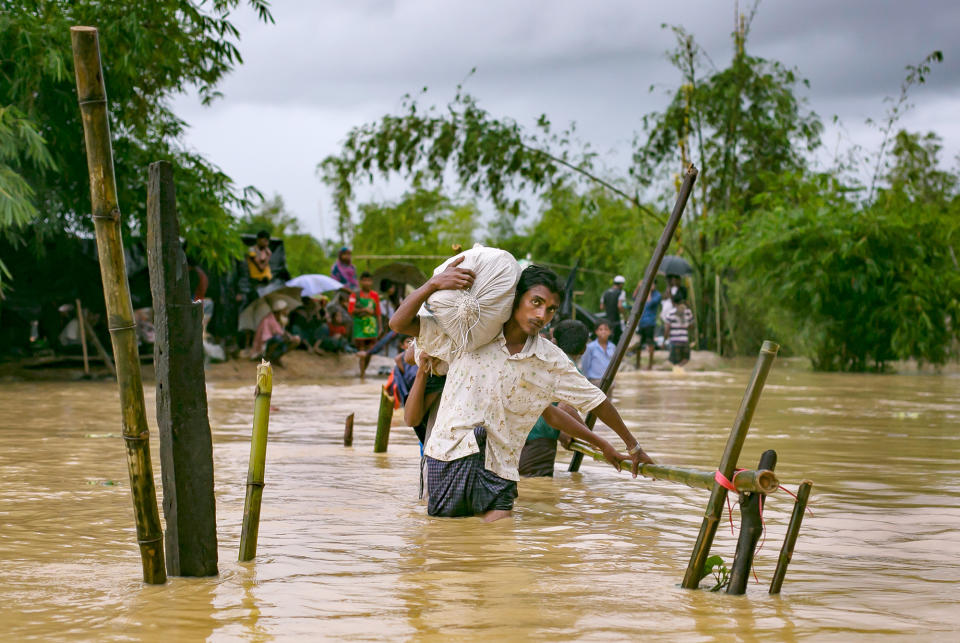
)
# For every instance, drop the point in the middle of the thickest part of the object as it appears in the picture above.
(352, 303)
(576, 390)
(587, 359)
(433, 340)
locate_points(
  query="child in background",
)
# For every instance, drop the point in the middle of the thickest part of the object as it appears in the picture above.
(598, 354)
(364, 306)
(677, 330)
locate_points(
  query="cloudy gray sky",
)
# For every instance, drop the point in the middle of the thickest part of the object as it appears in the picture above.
(326, 66)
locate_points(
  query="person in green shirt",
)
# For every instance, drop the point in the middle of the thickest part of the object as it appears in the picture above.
(540, 450)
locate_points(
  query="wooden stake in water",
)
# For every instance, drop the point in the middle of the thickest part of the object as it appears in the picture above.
(348, 431)
(258, 457)
(728, 463)
(106, 220)
(384, 418)
(751, 527)
(83, 339)
(793, 530)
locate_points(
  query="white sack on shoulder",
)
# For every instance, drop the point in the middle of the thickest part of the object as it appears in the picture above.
(472, 318)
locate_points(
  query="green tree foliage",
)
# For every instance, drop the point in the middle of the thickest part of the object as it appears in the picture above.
(151, 52)
(305, 254)
(492, 157)
(421, 222)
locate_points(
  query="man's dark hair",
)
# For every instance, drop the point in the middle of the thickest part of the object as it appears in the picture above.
(571, 336)
(679, 298)
(602, 322)
(366, 275)
(263, 234)
(534, 275)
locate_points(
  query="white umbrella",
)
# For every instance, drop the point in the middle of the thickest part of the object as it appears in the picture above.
(315, 284)
(253, 314)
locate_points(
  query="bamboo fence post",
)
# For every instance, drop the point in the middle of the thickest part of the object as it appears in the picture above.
(716, 312)
(751, 527)
(793, 530)
(384, 418)
(106, 218)
(348, 431)
(98, 345)
(641, 299)
(83, 338)
(728, 463)
(257, 464)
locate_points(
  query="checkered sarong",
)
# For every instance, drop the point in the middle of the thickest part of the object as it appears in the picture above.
(464, 487)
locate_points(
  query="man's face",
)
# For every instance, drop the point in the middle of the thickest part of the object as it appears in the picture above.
(366, 283)
(603, 332)
(536, 308)
(262, 242)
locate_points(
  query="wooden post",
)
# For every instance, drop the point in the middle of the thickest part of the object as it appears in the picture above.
(98, 345)
(92, 97)
(83, 338)
(186, 447)
(258, 458)
(793, 530)
(751, 527)
(728, 463)
(348, 431)
(716, 312)
(645, 286)
(384, 418)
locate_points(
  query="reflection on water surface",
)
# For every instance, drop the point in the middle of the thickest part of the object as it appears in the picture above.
(346, 550)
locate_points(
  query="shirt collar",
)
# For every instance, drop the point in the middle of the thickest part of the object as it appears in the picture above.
(534, 346)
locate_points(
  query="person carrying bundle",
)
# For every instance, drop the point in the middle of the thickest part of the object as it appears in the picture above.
(496, 390)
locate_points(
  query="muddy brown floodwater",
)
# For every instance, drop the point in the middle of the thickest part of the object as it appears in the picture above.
(347, 552)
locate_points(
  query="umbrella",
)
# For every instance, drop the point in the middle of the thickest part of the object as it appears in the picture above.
(315, 284)
(674, 265)
(253, 314)
(398, 273)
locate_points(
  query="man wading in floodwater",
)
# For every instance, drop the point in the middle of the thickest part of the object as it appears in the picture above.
(495, 393)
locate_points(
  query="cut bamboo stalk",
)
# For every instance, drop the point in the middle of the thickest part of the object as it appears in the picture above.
(751, 528)
(106, 219)
(83, 338)
(348, 431)
(638, 304)
(257, 464)
(728, 463)
(793, 530)
(745, 481)
(384, 418)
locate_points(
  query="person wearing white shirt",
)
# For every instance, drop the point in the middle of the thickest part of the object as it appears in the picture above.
(494, 394)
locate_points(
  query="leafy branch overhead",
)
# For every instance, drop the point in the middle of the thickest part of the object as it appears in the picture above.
(151, 51)
(492, 157)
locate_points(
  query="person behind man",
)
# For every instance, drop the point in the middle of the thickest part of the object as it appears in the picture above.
(614, 301)
(598, 354)
(648, 325)
(364, 307)
(540, 450)
(272, 340)
(258, 260)
(343, 269)
(677, 330)
(499, 390)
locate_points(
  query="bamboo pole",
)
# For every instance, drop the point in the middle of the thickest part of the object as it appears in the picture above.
(716, 311)
(101, 351)
(106, 219)
(384, 418)
(348, 431)
(257, 464)
(760, 480)
(793, 530)
(83, 339)
(751, 527)
(641, 299)
(728, 463)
